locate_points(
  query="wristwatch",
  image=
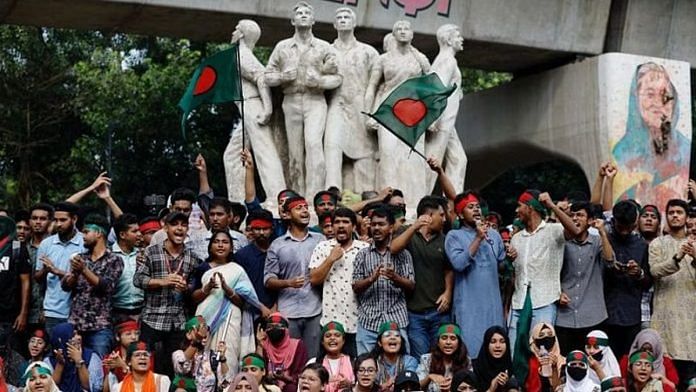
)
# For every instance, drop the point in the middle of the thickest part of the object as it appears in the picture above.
(80, 364)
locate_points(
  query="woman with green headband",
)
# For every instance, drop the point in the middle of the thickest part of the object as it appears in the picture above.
(39, 378)
(208, 367)
(390, 354)
(254, 365)
(332, 357)
(640, 373)
(448, 356)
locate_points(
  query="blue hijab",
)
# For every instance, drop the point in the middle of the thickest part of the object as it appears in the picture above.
(60, 336)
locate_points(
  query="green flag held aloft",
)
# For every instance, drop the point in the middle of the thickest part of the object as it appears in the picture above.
(413, 106)
(216, 80)
(522, 353)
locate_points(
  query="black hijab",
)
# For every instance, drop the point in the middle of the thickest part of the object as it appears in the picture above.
(485, 366)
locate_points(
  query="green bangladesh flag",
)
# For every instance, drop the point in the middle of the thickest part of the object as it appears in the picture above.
(7, 234)
(413, 106)
(216, 80)
(522, 353)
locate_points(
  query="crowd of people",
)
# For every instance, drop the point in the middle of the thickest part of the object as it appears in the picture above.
(577, 294)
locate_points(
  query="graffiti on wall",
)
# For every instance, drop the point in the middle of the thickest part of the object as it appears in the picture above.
(411, 7)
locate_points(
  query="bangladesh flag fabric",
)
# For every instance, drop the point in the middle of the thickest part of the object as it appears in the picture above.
(7, 234)
(413, 106)
(216, 80)
(522, 353)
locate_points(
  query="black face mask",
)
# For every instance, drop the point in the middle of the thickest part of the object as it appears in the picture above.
(577, 373)
(276, 335)
(548, 342)
(598, 356)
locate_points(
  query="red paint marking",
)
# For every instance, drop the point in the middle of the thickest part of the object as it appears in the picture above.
(206, 81)
(409, 111)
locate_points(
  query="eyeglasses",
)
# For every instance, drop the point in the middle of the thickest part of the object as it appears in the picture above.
(391, 334)
(369, 370)
(141, 354)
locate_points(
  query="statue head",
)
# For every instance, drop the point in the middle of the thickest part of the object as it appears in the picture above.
(302, 15)
(345, 19)
(449, 35)
(402, 31)
(248, 31)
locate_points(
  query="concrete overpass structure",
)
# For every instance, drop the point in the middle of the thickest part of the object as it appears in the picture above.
(530, 38)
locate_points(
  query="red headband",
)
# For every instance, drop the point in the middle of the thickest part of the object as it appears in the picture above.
(505, 235)
(260, 224)
(470, 198)
(152, 225)
(525, 198)
(327, 219)
(296, 203)
(130, 325)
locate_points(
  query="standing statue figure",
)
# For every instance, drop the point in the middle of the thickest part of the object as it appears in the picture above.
(442, 140)
(305, 67)
(257, 112)
(346, 133)
(397, 166)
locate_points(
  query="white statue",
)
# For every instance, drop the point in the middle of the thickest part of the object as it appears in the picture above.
(442, 142)
(304, 66)
(257, 112)
(346, 133)
(397, 166)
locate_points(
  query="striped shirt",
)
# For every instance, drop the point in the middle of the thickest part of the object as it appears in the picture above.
(164, 307)
(383, 301)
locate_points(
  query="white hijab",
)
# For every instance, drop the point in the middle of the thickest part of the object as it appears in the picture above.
(52, 387)
(584, 385)
(609, 363)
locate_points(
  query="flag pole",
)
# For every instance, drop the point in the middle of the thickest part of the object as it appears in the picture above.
(241, 102)
(413, 149)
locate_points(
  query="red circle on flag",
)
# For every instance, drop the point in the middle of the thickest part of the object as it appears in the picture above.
(206, 80)
(409, 111)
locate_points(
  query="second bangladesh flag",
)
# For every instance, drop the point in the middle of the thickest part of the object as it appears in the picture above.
(413, 106)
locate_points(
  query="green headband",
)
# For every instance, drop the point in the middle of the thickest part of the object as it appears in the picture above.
(691, 383)
(595, 341)
(577, 355)
(193, 323)
(641, 355)
(252, 360)
(612, 382)
(388, 326)
(333, 326)
(449, 328)
(136, 346)
(95, 228)
(184, 383)
(41, 369)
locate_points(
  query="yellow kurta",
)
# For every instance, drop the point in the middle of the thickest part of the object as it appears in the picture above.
(675, 298)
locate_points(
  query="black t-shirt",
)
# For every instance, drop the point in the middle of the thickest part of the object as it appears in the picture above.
(12, 265)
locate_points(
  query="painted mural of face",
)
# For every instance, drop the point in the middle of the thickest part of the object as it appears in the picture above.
(656, 99)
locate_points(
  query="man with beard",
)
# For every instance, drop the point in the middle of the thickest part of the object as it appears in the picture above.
(581, 306)
(675, 290)
(253, 256)
(163, 276)
(475, 252)
(381, 280)
(53, 263)
(40, 217)
(332, 266)
(128, 299)
(92, 280)
(649, 228)
(625, 282)
(287, 266)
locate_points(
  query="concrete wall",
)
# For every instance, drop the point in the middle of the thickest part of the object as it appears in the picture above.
(500, 34)
(576, 112)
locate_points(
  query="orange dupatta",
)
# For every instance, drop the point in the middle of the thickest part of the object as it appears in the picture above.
(148, 385)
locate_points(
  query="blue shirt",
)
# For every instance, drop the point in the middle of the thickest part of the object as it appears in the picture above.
(253, 260)
(127, 296)
(288, 258)
(476, 304)
(57, 302)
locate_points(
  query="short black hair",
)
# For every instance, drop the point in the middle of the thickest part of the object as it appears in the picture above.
(427, 203)
(66, 206)
(21, 215)
(344, 212)
(259, 214)
(43, 207)
(582, 205)
(98, 220)
(625, 212)
(122, 222)
(238, 210)
(220, 202)
(383, 212)
(677, 203)
(183, 194)
(321, 371)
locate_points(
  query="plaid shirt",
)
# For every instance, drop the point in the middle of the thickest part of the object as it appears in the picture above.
(164, 307)
(383, 300)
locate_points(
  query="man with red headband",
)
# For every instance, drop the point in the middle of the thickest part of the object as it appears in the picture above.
(538, 264)
(253, 256)
(287, 273)
(475, 251)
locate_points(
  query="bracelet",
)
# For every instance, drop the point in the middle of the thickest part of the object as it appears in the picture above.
(80, 364)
